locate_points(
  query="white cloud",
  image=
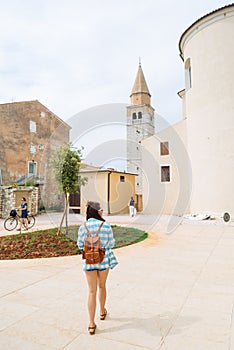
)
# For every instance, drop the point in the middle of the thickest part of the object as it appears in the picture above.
(72, 55)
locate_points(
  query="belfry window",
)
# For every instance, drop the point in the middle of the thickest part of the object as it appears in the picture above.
(134, 116)
(139, 115)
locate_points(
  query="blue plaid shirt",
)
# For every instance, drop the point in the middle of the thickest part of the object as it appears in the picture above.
(107, 241)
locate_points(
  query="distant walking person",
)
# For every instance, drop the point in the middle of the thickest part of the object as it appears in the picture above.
(131, 207)
(96, 274)
(24, 213)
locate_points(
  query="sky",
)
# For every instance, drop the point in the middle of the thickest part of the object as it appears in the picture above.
(72, 55)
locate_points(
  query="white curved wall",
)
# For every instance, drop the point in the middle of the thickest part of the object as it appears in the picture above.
(210, 112)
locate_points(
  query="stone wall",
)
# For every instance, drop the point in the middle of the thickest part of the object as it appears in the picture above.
(29, 136)
(10, 198)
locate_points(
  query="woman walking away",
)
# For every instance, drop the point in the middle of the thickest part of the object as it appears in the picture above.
(96, 273)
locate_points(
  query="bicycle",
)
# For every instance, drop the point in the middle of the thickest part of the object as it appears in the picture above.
(13, 219)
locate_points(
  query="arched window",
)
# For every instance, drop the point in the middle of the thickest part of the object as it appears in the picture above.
(188, 74)
(139, 115)
(134, 116)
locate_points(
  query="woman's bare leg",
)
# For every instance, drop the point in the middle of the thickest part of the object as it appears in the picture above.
(26, 223)
(92, 284)
(21, 223)
(102, 277)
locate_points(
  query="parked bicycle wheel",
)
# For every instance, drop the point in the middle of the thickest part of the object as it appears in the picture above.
(10, 223)
(31, 221)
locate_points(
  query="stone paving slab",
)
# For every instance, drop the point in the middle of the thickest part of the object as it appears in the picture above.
(171, 291)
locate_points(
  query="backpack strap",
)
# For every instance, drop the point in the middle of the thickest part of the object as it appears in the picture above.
(100, 227)
(89, 233)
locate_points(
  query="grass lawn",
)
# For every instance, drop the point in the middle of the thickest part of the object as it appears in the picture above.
(46, 243)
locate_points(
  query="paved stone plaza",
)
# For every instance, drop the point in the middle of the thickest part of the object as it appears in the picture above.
(171, 291)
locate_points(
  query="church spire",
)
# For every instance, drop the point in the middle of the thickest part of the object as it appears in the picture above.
(140, 125)
(140, 93)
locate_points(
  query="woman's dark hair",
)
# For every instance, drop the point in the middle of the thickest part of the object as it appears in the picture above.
(92, 211)
(24, 199)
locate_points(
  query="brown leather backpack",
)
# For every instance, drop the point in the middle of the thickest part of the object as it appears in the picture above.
(92, 252)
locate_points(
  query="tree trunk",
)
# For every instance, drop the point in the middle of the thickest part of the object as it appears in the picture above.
(64, 213)
(67, 208)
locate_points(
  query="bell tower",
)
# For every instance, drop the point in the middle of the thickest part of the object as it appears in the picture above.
(140, 125)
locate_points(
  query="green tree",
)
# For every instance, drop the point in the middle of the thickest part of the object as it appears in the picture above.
(66, 163)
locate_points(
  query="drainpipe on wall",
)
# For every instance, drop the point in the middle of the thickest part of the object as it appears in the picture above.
(108, 192)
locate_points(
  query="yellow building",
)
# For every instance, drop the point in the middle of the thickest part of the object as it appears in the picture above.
(110, 187)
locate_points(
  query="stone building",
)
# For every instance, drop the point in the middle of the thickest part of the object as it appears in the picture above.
(10, 197)
(29, 134)
(140, 125)
(191, 167)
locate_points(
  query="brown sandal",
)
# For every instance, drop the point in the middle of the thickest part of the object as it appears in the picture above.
(92, 330)
(103, 316)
